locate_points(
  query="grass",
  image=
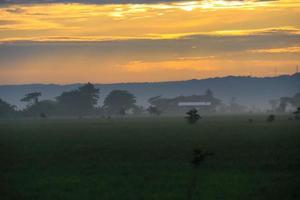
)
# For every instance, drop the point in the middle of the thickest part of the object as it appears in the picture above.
(146, 159)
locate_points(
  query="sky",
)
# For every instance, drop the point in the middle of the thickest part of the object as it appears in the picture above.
(101, 41)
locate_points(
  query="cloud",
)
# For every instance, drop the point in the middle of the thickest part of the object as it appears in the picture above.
(86, 1)
(7, 22)
(116, 1)
(84, 22)
(293, 49)
(194, 56)
(16, 10)
(163, 41)
(253, 45)
(217, 36)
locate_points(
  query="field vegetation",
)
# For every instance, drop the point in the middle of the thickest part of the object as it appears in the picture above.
(149, 158)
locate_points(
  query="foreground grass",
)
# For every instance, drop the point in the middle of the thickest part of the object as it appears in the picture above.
(148, 159)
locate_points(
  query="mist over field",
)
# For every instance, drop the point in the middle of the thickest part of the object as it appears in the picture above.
(149, 100)
(248, 91)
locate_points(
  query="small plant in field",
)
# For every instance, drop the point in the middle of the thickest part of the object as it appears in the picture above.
(271, 118)
(198, 158)
(43, 115)
(297, 114)
(192, 116)
(250, 120)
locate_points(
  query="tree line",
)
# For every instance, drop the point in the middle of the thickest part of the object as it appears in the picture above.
(80, 102)
(83, 101)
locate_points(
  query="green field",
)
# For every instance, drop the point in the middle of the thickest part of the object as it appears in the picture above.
(149, 159)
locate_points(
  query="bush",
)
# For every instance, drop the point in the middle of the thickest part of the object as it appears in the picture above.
(271, 118)
(193, 116)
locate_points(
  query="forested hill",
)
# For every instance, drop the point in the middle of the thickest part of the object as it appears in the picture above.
(249, 91)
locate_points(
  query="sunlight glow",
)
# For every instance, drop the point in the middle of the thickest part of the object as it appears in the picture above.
(158, 41)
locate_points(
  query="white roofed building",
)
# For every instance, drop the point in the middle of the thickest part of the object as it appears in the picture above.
(203, 103)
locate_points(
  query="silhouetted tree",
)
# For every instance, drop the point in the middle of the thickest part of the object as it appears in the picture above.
(193, 116)
(118, 100)
(137, 110)
(80, 101)
(90, 95)
(297, 114)
(32, 98)
(296, 100)
(283, 104)
(45, 107)
(271, 118)
(6, 110)
(285, 101)
(43, 115)
(154, 110)
(198, 158)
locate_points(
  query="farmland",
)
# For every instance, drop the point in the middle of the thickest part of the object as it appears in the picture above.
(149, 158)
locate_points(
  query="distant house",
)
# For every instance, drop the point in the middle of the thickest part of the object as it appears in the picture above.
(203, 103)
(194, 104)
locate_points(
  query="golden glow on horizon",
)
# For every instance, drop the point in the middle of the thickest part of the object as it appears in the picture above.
(176, 22)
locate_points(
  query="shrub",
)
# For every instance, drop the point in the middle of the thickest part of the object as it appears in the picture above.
(193, 116)
(271, 118)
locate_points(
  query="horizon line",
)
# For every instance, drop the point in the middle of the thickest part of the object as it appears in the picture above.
(153, 82)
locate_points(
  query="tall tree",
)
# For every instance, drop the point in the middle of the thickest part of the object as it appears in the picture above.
(80, 101)
(296, 100)
(89, 94)
(285, 101)
(117, 100)
(32, 97)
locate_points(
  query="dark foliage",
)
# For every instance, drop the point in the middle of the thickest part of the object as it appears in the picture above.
(119, 100)
(32, 98)
(193, 116)
(271, 118)
(285, 101)
(43, 115)
(6, 110)
(297, 114)
(48, 107)
(81, 101)
(199, 156)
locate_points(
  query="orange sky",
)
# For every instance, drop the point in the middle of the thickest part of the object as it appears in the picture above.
(105, 43)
